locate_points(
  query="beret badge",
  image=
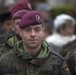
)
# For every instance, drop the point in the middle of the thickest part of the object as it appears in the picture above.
(38, 18)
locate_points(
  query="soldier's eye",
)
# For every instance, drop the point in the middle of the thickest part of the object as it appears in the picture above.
(37, 29)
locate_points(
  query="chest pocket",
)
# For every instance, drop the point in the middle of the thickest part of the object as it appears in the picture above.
(52, 69)
(10, 71)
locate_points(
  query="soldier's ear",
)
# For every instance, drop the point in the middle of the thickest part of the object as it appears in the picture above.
(20, 34)
(13, 29)
(43, 33)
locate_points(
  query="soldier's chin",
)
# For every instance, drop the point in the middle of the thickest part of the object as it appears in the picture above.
(33, 46)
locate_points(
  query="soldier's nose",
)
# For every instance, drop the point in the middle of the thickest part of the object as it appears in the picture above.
(33, 33)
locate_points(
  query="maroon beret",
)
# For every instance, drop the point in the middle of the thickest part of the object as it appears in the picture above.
(19, 14)
(21, 5)
(30, 18)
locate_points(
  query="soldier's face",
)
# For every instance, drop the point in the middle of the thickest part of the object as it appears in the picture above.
(32, 36)
(16, 27)
(7, 25)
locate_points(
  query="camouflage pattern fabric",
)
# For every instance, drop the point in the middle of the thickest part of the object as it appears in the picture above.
(67, 48)
(18, 62)
(71, 61)
(6, 42)
(5, 36)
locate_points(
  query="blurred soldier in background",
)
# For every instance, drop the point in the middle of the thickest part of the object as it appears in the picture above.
(6, 26)
(5, 19)
(71, 61)
(67, 48)
(6, 23)
(17, 12)
(11, 40)
(69, 53)
(18, 6)
(63, 31)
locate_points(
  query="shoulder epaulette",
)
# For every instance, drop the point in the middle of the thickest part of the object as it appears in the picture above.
(57, 54)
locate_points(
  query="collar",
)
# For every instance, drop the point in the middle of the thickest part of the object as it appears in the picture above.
(43, 54)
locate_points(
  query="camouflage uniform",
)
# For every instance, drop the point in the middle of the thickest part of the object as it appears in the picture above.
(2, 39)
(6, 42)
(66, 49)
(69, 53)
(46, 62)
(71, 61)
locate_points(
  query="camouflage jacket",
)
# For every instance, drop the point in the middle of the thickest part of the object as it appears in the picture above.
(5, 36)
(71, 61)
(18, 62)
(6, 42)
(66, 49)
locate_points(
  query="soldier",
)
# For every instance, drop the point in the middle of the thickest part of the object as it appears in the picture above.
(15, 37)
(6, 25)
(32, 55)
(18, 10)
(9, 41)
(71, 61)
(67, 48)
(69, 53)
